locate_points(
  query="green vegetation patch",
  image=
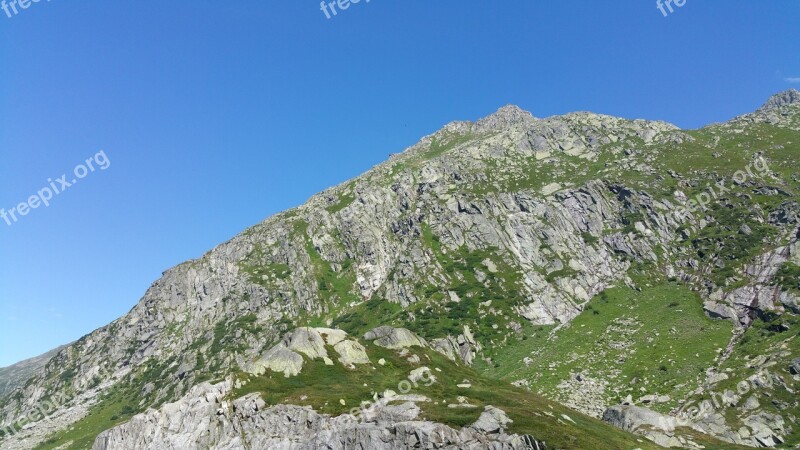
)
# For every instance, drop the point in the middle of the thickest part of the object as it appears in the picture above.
(788, 277)
(343, 202)
(658, 339)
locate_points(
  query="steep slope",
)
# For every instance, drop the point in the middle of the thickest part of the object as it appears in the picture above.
(14, 376)
(489, 239)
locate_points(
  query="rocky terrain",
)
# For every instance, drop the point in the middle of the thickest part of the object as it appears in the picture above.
(14, 376)
(625, 268)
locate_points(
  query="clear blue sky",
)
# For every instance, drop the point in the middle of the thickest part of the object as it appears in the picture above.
(217, 114)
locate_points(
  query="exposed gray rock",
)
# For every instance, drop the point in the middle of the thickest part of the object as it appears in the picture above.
(650, 424)
(462, 348)
(631, 418)
(278, 359)
(351, 352)
(394, 338)
(205, 420)
(422, 374)
(13, 376)
(308, 341)
(788, 97)
(286, 357)
(492, 420)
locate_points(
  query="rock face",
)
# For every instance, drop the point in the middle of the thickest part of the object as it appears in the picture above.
(286, 357)
(792, 96)
(656, 427)
(394, 338)
(631, 418)
(492, 420)
(462, 347)
(13, 376)
(205, 420)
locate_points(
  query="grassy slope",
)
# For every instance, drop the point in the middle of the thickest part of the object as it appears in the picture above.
(657, 341)
(323, 386)
(111, 411)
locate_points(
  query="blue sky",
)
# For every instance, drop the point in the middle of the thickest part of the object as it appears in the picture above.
(215, 115)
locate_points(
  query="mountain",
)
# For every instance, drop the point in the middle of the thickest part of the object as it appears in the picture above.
(12, 377)
(567, 281)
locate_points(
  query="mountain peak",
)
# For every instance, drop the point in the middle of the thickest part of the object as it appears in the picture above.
(788, 97)
(508, 115)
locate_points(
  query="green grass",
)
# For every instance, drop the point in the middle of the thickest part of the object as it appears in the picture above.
(323, 386)
(723, 243)
(788, 277)
(658, 339)
(369, 315)
(668, 341)
(767, 338)
(225, 335)
(114, 409)
(343, 202)
(261, 274)
(443, 144)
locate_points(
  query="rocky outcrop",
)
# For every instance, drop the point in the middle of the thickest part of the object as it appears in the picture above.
(492, 420)
(631, 418)
(14, 376)
(205, 420)
(361, 241)
(462, 348)
(789, 97)
(278, 359)
(394, 338)
(287, 356)
(650, 424)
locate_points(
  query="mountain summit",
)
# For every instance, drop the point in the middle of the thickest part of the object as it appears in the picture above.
(788, 97)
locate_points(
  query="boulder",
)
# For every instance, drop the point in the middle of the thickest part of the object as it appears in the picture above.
(422, 374)
(794, 368)
(287, 356)
(394, 338)
(308, 341)
(631, 418)
(351, 352)
(492, 420)
(278, 359)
